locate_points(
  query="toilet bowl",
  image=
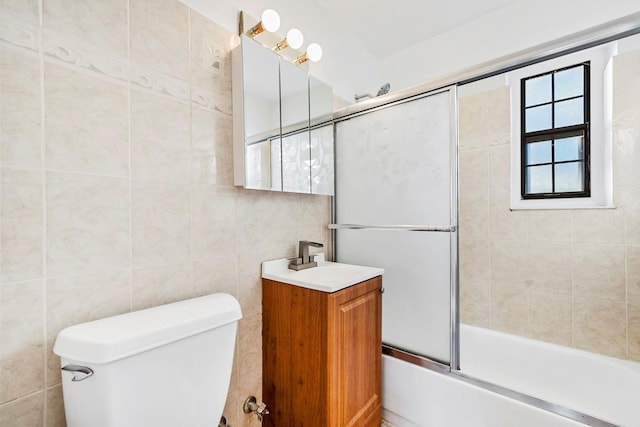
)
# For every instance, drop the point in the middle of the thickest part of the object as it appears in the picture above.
(166, 366)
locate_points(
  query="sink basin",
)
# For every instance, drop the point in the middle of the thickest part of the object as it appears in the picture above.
(326, 277)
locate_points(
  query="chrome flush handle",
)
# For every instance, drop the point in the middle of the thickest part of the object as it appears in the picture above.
(80, 373)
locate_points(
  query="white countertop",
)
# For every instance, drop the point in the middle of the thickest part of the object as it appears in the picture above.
(326, 277)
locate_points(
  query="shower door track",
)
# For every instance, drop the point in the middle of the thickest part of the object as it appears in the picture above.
(444, 369)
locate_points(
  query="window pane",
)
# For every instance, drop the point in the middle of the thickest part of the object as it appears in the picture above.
(538, 90)
(569, 112)
(569, 83)
(569, 177)
(568, 149)
(538, 152)
(538, 118)
(538, 179)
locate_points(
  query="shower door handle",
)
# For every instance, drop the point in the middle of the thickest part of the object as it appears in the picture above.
(432, 228)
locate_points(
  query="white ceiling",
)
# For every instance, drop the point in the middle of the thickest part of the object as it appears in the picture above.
(384, 27)
(406, 42)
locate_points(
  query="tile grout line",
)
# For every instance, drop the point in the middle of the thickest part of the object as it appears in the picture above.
(192, 183)
(489, 239)
(573, 282)
(626, 306)
(626, 285)
(130, 159)
(43, 186)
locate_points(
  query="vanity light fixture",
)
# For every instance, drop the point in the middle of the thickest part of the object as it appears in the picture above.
(269, 21)
(288, 47)
(313, 54)
(293, 40)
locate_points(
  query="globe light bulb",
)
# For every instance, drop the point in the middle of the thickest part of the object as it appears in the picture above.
(314, 52)
(270, 20)
(294, 38)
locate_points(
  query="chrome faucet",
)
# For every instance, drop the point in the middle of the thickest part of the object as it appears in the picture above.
(304, 260)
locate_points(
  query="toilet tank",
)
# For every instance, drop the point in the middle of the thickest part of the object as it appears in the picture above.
(166, 366)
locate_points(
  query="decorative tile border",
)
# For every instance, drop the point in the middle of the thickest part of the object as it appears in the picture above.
(20, 34)
(210, 75)
(211, 100)
(159, 83)
(77, 54)
(211, 58)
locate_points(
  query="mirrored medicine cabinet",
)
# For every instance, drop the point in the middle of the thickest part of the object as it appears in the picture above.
(282, 125)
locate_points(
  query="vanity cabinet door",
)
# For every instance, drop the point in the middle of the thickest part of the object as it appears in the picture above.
(355, 354)
(322, 355)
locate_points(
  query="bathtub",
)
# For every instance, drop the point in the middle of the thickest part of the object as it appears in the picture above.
(599, 386)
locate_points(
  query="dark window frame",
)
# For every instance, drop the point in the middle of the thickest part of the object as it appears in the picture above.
(554, 133)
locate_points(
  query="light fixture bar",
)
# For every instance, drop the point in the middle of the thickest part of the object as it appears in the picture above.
(288, 47)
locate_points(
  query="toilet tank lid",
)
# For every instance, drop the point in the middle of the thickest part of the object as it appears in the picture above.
(117, 337)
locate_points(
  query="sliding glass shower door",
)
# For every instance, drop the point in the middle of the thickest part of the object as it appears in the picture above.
(395, 208)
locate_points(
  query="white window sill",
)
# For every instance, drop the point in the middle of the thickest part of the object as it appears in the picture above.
(559, 206)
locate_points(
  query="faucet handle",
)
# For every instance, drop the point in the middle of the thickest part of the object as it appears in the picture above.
(309, 243)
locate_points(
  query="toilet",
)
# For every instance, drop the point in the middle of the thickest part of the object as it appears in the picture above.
(166, 366)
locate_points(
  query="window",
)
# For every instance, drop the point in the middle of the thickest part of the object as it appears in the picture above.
(561, 138)
(555, 133)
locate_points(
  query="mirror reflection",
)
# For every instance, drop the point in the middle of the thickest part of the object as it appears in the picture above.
(322, 163)
(294, 110)
(321, 136)
(261, 112)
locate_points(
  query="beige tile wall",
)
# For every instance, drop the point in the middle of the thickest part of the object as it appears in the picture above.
(116, 186)
(570, 277)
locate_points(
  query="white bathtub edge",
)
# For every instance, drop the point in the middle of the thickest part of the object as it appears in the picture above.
(417, 397)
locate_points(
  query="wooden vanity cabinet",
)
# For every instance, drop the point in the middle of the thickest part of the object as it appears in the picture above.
(322, 355)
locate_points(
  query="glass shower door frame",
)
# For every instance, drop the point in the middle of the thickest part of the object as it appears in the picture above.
(451, 228)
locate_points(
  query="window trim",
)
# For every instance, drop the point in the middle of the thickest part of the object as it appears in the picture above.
(600, 130)
(556, 133)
